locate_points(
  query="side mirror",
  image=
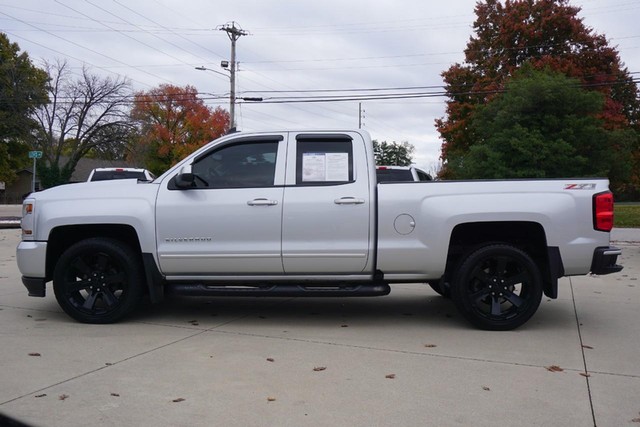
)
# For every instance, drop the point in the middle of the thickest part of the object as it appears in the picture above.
(185, 180)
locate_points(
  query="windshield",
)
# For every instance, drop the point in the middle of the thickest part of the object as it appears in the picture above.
(107, 175)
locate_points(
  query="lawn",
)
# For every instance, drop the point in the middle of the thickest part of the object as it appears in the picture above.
(627, 215)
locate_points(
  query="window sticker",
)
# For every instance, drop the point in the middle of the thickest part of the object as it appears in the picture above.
(337, 167)
(313, 167)
(319, 167)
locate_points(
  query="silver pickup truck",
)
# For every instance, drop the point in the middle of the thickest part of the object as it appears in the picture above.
(301, 214)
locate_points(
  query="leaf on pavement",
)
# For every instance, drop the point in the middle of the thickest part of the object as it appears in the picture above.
(178, 400)
(554, 368)
(319, 368)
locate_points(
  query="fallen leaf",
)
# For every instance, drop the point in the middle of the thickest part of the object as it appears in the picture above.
(271, 399)
(28, 315)
(41, 395)
(486, 388)
(319, 368)
(63, 397)
(430, 345)
(108, 364)
(35, 354)
(391, 376)
(180, 399)
(270, 359)
(584, 374)
(344, 326)
(587, 346)
(115, 395)
(554, 368)
(635, 420)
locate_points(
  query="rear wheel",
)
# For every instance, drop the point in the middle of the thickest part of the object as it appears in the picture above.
(98, 280)
(497, 287)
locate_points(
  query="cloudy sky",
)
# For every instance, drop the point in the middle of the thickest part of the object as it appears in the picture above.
(293, 49)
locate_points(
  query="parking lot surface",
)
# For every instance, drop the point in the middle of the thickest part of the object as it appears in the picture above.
(407, 359)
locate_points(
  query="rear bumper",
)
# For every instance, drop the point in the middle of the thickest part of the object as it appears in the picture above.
(604, 260)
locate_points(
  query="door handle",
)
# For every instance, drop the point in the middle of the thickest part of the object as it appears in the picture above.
(262, 202)
(348, 201)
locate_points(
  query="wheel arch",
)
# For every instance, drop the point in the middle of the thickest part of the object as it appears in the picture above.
(525, 235)
(63, 237)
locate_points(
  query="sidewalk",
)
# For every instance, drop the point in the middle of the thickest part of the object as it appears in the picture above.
(10, 216)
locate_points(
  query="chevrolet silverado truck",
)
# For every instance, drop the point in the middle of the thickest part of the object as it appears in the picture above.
(301, 214)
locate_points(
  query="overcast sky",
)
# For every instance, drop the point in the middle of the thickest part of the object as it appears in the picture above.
(291, 45)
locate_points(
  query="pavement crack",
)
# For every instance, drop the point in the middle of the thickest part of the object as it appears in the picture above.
(92, 371)
(584, 357)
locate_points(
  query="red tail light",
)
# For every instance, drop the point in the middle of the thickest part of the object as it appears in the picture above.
(603, 211)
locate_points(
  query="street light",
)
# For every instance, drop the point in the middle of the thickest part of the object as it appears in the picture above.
(232, 98)
(232, 101)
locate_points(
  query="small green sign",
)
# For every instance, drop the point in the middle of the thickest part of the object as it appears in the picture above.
(35, 154)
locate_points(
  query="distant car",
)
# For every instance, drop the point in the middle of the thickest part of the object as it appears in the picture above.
(104, 174)
(401, 173)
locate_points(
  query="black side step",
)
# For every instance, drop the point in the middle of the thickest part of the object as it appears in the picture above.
(278, 290)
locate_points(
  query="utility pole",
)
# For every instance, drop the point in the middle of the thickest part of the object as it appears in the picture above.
(360, 115)
(234, 32)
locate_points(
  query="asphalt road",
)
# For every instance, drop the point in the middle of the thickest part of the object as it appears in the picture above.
(407, 359)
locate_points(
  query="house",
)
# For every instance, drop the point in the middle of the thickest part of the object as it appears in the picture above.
(14, 193)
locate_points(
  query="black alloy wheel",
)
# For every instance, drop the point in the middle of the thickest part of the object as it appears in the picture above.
(98, 280)
(497, 287)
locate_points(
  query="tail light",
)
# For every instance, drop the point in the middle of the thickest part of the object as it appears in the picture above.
(603, 211)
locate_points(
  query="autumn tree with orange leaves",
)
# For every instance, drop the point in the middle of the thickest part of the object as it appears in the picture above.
(172, 122)
(546, 35)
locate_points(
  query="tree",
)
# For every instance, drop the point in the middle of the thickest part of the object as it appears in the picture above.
(22, 90)
(86, 114)
(543, 126)
(393, 154)
(544, 34)
(172, 122)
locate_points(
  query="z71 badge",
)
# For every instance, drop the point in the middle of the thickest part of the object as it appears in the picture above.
(589, 186)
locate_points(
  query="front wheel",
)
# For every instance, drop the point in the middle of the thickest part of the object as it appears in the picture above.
(98, 280)
(497, 287)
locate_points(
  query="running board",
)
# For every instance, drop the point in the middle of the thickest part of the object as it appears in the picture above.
(280, 290)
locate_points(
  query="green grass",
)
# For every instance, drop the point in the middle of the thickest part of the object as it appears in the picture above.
(627, 215)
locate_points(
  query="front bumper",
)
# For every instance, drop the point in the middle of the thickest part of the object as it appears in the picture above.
(35, 285)
(604, 260)
(32, 262)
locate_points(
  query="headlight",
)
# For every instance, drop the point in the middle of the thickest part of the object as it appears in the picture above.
(27, 222)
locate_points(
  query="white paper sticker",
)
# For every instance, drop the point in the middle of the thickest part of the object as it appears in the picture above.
(313, 167)
(337, 167)
(325, 167)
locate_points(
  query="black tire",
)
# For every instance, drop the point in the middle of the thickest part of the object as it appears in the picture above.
(98, 280)
(497, 287)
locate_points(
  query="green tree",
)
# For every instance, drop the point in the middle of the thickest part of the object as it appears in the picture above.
(393, 154)
(546, 34)
(87, 114)
(544, 126)
(22, 90)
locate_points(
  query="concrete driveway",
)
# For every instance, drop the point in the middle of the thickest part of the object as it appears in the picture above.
(407, 359)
